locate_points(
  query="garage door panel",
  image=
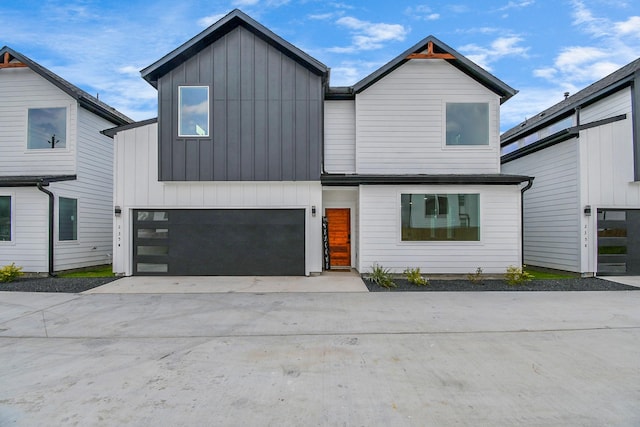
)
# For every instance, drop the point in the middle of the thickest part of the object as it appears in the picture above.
(230, 242)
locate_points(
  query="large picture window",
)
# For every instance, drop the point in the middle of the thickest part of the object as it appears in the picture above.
(67, 219)
(440, 217)
(5, 218)
(467, 123)
(193, 111)
(47, 128)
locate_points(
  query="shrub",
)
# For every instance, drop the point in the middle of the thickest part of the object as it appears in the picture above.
(381, 276)
(10, 272)
(414, 276)
(517, 275)
(476, 277)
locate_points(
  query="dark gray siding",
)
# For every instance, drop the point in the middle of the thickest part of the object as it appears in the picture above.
(265, 113)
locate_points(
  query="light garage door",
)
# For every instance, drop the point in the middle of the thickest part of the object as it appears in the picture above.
(219, 242)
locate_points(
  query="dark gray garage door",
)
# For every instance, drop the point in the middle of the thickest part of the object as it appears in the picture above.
(618, 241)
(219, 242)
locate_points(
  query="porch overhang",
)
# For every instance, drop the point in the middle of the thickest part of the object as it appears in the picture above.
(482, 179)
(33, 180)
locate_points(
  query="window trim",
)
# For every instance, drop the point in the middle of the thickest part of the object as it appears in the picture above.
(207, 135)
(57, 223)
(12, 204)
(439, 191)
(67, 125)
(484, 147)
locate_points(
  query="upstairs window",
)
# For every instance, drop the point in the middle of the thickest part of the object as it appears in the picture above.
(193, 111)
(5, 218)
(47, 128)
(467, 123)
(68, 219)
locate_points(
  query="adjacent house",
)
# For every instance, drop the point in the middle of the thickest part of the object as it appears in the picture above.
(252, 149)
(56, 170)
(583, 214)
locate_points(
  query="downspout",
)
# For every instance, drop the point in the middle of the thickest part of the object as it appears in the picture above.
(51, 223)
(525, 188)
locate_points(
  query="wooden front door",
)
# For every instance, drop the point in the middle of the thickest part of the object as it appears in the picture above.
(339, 221)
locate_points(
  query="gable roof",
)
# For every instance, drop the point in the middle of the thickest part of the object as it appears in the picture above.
(232, 20)
(592, 93)
(438, 49)
(85, 100)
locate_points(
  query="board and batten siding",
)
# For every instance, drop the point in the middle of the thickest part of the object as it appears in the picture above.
(552, 206)
(29, 245)
(93, 190)
(21, 89)
(265, 115)
(400, 122)
(380, 239)
(137, 187)
(339, 137)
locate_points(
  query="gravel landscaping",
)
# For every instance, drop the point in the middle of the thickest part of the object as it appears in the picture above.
(55, 284)
(463, 285)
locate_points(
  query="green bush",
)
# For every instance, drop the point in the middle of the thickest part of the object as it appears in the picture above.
(381, 276)
(414, 276)
(476, 277)
(10, 272)
(517, 275)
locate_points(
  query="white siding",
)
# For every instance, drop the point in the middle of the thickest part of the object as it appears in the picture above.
(94, 191)
(551, 206)
(29, 245)
(380, 240)
(21, 89)
(400, 123)
(339, 137)
(613, 105)
(137, 186)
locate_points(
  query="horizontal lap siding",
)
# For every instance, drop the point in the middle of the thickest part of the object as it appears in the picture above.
(21, 89)
(551, 206)
(380, 232)
(400, 122)
(339, 137)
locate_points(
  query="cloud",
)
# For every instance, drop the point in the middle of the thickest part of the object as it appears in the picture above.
(629, 27)
(422, 12)
(516, 5)
(368, 35)
(207, 21)
(546, 73)
(531, 101)
(245, 3)
(498, 49)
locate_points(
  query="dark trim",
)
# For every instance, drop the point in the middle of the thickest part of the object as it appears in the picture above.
(33, 181)
(635, 123)
(340, 94)
(522, 191)
(51, 225)
(489, 179)
(111, 132)
(557, 138)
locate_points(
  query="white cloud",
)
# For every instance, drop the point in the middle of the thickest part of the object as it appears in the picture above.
(629, 27)
(368, 35)
(517, 4)
(422, 12)
(545, 73)
(245, 3)
(207, 21)
(321, 16)
(498, 49)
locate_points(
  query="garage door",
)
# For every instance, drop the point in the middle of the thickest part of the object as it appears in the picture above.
(219, 242)
(618, 241)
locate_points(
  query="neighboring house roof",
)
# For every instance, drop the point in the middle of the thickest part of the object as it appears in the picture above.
(435, 49)
(111, 132)
(87, 101)
(611, 83)
(234, 19)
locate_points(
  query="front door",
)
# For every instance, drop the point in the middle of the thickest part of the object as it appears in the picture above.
(339, 222)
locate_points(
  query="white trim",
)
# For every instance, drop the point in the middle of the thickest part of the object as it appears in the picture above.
(12, 202)
(64, 149)
(56, 222)
(483, 147)
(180, 115)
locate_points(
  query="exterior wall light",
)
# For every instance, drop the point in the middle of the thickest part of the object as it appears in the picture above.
(117, 211)
(587, 210)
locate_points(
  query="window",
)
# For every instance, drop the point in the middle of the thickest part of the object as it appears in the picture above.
(5, 218)
(47, 128)
(467, 123)
(193, 111)
(67, 219)
(440, 217)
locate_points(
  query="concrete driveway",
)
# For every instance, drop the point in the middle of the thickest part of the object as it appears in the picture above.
(309, 359)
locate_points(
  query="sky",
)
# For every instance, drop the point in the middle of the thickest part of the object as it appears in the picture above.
(542, 48)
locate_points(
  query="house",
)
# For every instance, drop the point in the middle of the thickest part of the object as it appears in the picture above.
(252, 149)
(583, 214)
(55, 170)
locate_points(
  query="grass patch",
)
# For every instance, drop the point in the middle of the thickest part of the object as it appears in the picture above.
(539, 274)
(100, 271)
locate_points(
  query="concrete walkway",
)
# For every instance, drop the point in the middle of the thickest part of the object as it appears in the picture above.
(321, 359)
(328, 281)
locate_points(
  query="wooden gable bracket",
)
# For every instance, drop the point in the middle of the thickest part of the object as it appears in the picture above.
(6, 62)
(430, 54)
